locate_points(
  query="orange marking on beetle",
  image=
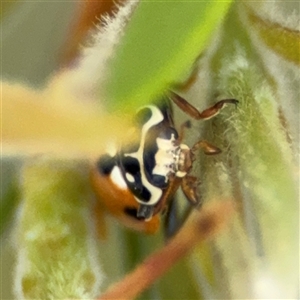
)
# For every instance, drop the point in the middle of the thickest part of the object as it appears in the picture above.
(115, 200)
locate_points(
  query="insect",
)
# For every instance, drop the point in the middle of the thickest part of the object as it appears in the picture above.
(136, 181)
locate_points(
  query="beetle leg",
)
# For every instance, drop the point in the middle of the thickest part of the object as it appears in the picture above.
(171, 221)
(190, 80)
(195, 113)
(189, 186)
(208, 148)
(175, 183)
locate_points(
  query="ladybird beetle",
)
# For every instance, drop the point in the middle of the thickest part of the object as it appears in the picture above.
(135, 181)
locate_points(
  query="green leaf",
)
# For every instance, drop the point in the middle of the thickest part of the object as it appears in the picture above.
(8, 205)
(56, 256)
(161, 42)
(9, 191)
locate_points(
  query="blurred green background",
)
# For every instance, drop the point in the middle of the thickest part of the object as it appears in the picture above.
(32, 36)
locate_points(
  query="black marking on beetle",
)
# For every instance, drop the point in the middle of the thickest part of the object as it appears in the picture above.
(130, 165)
(168, 133)
(159, 181)
(145, 211)
(140, 191)
(133, 213)
(105, 164)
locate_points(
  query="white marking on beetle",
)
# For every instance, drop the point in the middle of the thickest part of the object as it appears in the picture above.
(180, 160)
(117, 178)
(155, 119)
(164, 157)
(129, 177)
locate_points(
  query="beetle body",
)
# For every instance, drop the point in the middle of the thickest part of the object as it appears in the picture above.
(136, 180)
